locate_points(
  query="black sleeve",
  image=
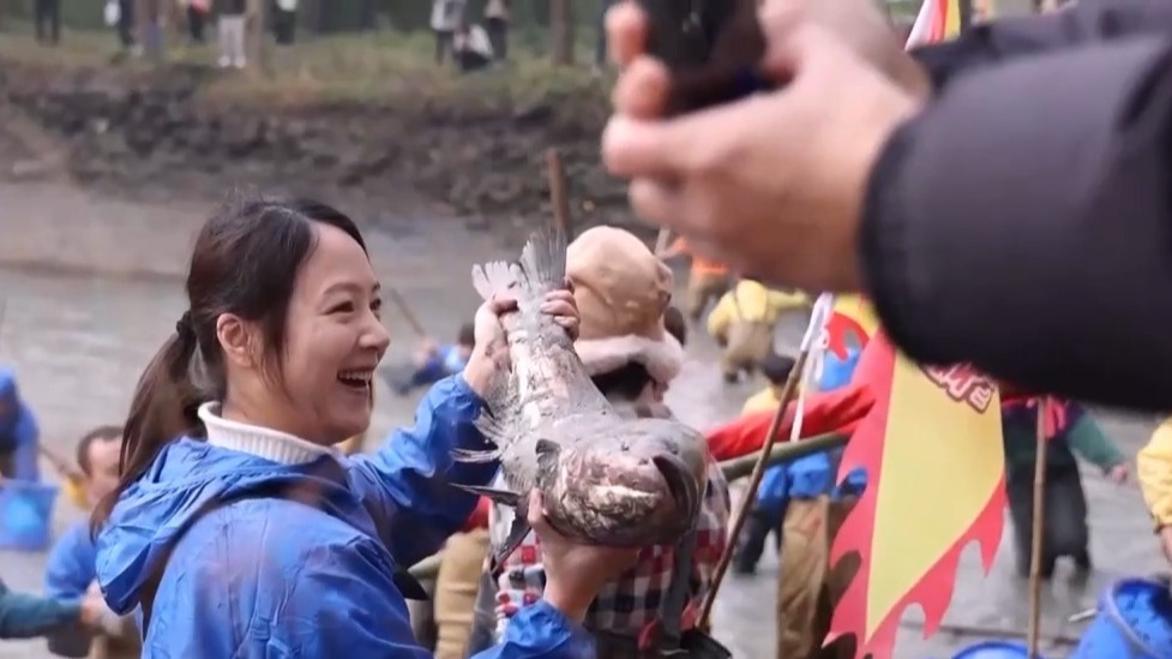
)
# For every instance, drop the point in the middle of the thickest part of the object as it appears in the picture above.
(1022, 223)
(1086, 23)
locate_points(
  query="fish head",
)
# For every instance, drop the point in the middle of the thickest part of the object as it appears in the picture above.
(637, 483)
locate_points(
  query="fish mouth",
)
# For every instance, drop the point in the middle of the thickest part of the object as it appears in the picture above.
(681, 483)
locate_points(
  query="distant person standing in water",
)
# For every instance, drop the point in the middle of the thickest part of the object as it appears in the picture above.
(496, 19)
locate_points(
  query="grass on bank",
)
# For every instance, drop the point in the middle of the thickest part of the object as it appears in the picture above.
(372, 67)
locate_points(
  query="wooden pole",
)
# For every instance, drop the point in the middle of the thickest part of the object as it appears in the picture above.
(561, 29)
(559, 195)
(405, 309)
(787, 395)
(786, 452)
(254, 30)
(1037, 529)
(662, 241)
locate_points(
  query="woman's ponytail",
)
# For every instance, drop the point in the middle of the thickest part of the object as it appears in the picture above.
(163, 408)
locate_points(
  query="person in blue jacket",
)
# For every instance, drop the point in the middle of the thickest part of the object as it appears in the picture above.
(236, 530)
(28, 616)
(19, 434)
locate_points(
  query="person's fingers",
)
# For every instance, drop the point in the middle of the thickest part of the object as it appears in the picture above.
(642, 91)
(633, 148)
(564, 295)
(657, 202)
(626, 32)
(500, 304)
(535, 514)
(559, 309)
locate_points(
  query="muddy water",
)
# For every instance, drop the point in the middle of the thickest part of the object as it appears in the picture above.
(79, 339)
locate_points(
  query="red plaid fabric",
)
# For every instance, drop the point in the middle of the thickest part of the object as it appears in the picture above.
(633, 602)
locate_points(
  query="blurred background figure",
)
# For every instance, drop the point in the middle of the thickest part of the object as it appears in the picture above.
(197, 13)
(496, 19)
(48, 19)
(29, 616)
(71, 571)
(765, 517)
(743, 322)
(471, 47)
(19, 433)
(446, 16)
(707, 280)
(231, 27)
(1074, 432)
(285, 21)
(434, 362)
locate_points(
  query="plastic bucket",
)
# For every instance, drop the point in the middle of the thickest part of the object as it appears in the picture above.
(26, 514)
(994, 650)
(1134, 622)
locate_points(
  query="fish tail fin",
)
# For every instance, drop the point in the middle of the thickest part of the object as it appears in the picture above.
(495, 278)
(543, 260)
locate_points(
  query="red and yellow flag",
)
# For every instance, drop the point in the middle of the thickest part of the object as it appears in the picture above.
(931, 447)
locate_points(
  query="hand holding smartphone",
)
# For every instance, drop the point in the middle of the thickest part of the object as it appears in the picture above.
(712, 47)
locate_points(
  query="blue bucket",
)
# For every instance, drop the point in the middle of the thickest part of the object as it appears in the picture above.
(995, 650)
(26, 514)
(1134, 622)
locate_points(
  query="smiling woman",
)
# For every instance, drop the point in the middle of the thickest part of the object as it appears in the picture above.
(236, 526)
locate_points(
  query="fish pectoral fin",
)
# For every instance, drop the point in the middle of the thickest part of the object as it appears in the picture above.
(517, 533)
(503, 497)
(464, 455)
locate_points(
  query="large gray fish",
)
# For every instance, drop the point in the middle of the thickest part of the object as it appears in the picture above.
(606, 479)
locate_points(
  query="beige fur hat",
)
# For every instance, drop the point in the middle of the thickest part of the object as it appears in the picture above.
(622, 290)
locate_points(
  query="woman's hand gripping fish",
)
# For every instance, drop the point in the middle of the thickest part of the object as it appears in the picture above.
(605, 479)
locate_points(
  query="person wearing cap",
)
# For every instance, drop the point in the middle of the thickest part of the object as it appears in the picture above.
(622, 291)
(743, 321)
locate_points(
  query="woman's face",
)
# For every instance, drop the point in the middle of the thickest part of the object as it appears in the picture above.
(334, 339)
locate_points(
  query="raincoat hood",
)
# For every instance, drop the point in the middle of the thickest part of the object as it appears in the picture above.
(190, 478)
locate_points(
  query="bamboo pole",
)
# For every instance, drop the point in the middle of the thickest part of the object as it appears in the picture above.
(1037, 528)
(662, 241)
(787, 394)
(785, 452)
(405, 309)
(559, 196)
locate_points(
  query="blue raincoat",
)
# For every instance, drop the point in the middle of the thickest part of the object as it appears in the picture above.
(259, 559)
(18, 430)
(70, 568)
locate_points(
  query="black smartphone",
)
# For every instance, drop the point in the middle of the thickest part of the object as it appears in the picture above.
(713, 48)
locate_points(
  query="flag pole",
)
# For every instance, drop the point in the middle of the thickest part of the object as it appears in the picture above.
(1037, 529)
(787, 395)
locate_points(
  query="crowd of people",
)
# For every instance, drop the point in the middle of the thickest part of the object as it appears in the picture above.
(229, 488)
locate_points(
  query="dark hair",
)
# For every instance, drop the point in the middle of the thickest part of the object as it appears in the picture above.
(624, 383)
(105, 433)
(467, 335)
(776, 367)
(674, 323)
(243, 263)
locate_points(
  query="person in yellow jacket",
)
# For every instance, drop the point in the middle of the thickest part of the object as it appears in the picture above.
(1154, 467)
(743, 323)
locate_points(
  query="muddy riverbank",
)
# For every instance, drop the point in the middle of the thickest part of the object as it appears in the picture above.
(477, 152)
